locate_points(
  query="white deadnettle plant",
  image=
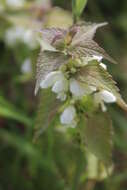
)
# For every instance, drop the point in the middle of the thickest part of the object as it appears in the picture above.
(70, 63)
(68, 117)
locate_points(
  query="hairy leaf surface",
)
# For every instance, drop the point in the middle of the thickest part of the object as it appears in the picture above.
(93, 74)
(48, 61)
(85, 31)
(88, 48)
(46, 112)
(83, 44)
(50, 34)
(98, 136)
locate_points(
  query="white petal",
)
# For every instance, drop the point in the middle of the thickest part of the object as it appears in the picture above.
(58, 86)
(68, 115)
(50, 79)
(107, 96)
(103, 65)
(98, 58)
(61, 85)
(76, 89)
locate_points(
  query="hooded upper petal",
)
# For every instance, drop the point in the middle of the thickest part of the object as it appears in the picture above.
(107, 96)
(51, 78)
(68, 115)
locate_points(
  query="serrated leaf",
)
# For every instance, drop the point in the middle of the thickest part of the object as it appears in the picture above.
(88, 48)
(98, 136)
(83, 44)
(46, 112)
(86, 30)
(48, 61)
(93, 74)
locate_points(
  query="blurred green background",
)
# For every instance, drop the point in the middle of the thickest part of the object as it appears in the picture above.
(54, 161)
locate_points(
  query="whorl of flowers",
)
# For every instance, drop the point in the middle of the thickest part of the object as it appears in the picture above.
(70, 63)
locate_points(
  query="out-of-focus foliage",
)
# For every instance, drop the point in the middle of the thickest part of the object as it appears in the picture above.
(54, 161)
(77, 8)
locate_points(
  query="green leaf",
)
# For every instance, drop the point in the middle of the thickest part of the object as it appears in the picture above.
(47, 112)
(9, 111)
(48, 61)
(78, 7)
(96, 169)
(93, 74)
(98, 136)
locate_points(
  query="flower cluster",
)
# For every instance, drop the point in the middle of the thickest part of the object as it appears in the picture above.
(63, 85)
(66, 54)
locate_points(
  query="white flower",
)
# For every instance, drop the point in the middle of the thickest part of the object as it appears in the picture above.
(26, 66)
(104, 96)
(68, 116)
(60, 85)
(15, 3)
(103, 65)
(50, 79)
(99, 59)
(58, 82)
(78, 89)
(107, 96)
